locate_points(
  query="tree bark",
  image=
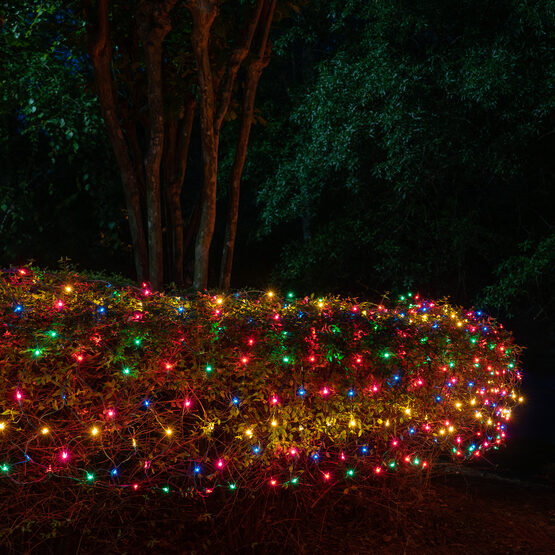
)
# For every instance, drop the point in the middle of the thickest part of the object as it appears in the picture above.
(204, 12)
(101, 53)
(254, 71)
(179, 138)
(153, 26)
(238, 56)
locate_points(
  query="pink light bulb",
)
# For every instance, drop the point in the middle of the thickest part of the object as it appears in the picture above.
(111, 413)
(65, 455)
(187, 403)
(220, 463)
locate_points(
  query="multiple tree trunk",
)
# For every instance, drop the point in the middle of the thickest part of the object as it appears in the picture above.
(153, 173)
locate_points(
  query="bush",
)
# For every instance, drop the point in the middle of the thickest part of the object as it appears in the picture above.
(126, 388)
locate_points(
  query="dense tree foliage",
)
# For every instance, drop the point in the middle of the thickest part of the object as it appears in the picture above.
(56, 196)
(418, 148)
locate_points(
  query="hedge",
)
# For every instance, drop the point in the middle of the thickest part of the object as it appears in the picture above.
(122, 388)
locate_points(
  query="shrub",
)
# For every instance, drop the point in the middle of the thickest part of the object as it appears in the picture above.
(130, 390)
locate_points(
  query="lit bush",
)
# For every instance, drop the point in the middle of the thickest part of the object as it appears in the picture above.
(124, 388)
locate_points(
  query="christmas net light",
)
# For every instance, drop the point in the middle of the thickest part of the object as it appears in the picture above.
(127, 388)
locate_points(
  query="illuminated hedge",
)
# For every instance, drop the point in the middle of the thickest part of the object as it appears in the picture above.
(125, 388)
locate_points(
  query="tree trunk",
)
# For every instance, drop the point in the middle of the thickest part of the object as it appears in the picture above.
(235, 178)
(153, 25)
(204, 12)
(176, 166)
(254, 71)
(100, 53)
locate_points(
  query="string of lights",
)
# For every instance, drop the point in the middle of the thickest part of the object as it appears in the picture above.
(122, 387)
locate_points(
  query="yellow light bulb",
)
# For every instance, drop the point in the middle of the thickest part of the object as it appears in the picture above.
(68, 288)
(169, 431)
(407, 412)
(219, 300)
(44, 431)
(94, 431)
(134, 442)
(270, 293)
(458, 404)
(248, 432)
(2, 426)
(352, 423)
(274, 423)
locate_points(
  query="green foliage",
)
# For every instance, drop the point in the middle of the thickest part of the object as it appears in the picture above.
(58, 182)
(416, 146)
(525, 282)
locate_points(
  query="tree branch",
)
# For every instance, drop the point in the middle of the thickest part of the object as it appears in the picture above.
(237, 58)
